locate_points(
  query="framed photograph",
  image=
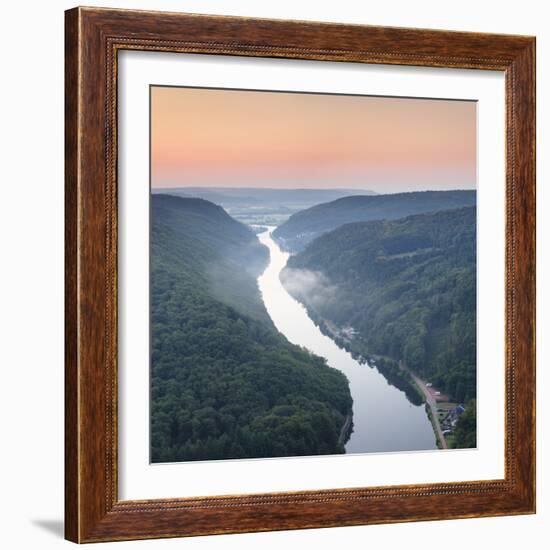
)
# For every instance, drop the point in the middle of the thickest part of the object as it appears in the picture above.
(300, 275)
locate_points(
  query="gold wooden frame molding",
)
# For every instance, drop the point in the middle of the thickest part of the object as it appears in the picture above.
(93, 38)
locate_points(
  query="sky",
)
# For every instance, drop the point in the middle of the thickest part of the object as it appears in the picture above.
(235, 138)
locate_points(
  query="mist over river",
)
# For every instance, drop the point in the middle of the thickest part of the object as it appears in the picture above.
(384, 419)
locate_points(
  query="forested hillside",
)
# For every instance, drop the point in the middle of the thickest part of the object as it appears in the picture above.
(305, 226)
(224, 382)
(407, 286)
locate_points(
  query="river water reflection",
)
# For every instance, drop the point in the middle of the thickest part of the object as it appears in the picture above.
(383, 418)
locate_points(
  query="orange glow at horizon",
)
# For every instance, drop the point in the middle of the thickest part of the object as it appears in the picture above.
(235, 138)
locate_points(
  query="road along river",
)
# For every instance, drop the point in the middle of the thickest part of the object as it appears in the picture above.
(384, 419)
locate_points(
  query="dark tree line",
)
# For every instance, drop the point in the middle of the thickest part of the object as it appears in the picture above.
(465, 435)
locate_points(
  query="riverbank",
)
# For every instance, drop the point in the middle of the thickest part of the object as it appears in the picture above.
(384, 419)
(389, 368)
(345, 431)
(431, 403)
(396, 373)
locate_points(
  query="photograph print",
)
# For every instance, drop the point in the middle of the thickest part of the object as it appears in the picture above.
(312, 274)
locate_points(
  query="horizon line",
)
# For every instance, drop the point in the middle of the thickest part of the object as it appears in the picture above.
(313, 189)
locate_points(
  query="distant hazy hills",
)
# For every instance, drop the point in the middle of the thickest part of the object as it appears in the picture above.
(243, 197)
(304, 226)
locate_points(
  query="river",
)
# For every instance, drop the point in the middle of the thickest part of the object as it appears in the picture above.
(384, 420)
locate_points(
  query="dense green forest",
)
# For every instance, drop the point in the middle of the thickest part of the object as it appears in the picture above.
(224, 382)
(465, 434)
(305, 226)
(407, 286)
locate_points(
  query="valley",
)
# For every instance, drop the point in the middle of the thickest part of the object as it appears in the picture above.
(266, 345)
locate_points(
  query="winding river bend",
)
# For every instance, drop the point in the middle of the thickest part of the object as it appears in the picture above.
(384, 420)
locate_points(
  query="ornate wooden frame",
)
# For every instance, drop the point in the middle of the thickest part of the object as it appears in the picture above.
(93, 511)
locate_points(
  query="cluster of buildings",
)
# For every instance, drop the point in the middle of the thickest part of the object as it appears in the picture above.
(449, 420)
